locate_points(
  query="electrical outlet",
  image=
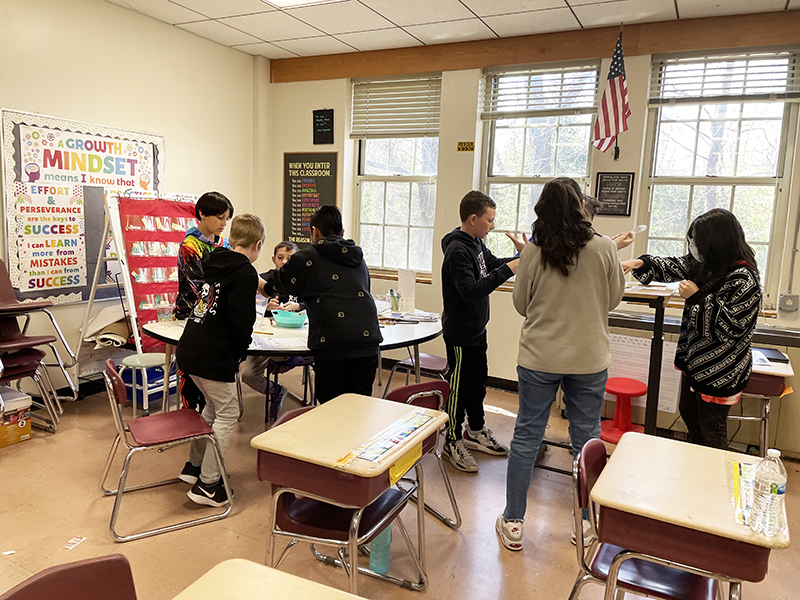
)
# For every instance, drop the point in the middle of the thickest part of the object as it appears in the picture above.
(788, 302)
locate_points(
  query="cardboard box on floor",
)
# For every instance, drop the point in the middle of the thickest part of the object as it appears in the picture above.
(15, 422)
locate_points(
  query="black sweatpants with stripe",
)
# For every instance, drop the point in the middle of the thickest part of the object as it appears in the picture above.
(468, 372)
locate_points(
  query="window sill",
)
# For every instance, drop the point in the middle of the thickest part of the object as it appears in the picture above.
(391, 275)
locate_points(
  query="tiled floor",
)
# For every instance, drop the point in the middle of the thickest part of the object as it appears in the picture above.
(50, 495)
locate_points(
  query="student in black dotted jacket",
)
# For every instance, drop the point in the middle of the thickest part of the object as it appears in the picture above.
(331, 279)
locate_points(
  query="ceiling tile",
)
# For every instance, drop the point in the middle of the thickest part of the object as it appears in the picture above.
(380, 39)
(272, 26)
(161, 10)
(315, 46)
(624, 11)
(693, 9)
(228, 8)
(451, 31)
(484, 8)
(265, 49)
(217, 32)
(340, 17)
(415, 12)
(528, 23)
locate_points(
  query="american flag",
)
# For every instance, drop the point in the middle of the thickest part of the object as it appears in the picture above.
(614, 110)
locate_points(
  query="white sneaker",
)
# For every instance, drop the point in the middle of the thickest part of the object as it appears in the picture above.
(484, 441)
(456, 454)
(588, 533)
(509, 532)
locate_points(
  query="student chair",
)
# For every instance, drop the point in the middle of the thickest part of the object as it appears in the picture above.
(97, 578)
(429, 366)
(433, 395)
(27, 363)
(617, 568)
(277, 367)
(624, 389)
(156, 432)
(10, 306)
(299, 515)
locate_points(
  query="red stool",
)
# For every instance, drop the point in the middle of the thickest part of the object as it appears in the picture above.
(624, 389)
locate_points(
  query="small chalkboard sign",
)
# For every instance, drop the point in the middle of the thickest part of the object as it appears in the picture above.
(614, 191)
(323, 126)
(309, 181)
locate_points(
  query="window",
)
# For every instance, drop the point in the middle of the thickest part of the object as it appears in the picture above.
(719, 129)
(397, 126)
(539, 126)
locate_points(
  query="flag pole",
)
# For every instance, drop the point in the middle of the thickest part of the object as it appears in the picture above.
(616, 138)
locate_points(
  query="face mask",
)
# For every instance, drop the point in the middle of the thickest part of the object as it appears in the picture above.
(693, 250)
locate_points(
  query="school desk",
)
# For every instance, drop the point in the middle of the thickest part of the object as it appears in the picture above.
(672, 500)
(240, 579)
(317, 453)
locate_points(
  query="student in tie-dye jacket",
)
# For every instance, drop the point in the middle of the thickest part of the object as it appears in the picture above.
(212, 211)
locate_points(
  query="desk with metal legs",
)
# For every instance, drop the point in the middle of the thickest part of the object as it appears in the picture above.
(317, 454)
(672, 500)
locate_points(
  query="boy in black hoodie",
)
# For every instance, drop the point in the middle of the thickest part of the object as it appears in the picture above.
(215, 340)
(331, 279)
(470, 272)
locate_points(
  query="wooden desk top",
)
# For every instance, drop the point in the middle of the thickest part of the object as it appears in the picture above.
(678, 483)
(646, 292)
(240, 579)
(328, 433)
(776, 369)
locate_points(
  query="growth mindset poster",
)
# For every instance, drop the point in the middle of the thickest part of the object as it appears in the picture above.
(47, 164)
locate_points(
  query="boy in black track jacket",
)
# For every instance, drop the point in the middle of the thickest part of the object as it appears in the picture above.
(470, 272)
(214, 342)
(331, 279)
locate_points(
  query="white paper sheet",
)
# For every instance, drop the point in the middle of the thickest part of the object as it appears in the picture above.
(407, 285)
(631, 358)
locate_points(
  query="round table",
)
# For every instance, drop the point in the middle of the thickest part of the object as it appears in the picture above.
(271, 340)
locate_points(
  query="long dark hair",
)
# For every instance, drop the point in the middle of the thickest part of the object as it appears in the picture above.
(561, 229)
(720, 241)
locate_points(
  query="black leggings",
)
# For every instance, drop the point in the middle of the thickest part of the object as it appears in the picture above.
(706, 422)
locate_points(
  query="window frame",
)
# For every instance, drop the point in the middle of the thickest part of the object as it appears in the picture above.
(490, 127)
(771, 272)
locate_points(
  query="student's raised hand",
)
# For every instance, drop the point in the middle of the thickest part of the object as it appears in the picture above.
(630, 265)
(623, 240)
(687, 288)
(513, 265)
(273, 304)
(519, 244)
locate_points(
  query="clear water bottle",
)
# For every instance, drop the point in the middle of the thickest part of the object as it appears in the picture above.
(379, 550)
(769, 492)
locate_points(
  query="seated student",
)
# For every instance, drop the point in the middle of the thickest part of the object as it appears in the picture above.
(212, 211)
(331, 278)
(215, 340)
(253, 373)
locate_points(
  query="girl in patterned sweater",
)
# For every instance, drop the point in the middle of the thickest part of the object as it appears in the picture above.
(720, 284)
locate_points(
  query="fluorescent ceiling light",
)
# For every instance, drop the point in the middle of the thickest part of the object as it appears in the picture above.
(296, 3)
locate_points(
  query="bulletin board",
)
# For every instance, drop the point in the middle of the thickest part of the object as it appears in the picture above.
(309, 181)
(55, 174)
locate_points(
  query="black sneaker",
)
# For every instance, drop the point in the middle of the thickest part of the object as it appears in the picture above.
(190, 473)
(209, 494)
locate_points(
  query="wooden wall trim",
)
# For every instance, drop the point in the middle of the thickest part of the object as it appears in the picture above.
(740, 31)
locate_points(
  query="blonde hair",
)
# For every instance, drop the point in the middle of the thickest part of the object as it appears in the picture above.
(246, 230)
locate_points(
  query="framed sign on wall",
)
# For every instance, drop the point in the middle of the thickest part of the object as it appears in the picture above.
(614, 191)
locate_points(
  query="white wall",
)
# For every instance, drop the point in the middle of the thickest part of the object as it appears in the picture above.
(89, 60)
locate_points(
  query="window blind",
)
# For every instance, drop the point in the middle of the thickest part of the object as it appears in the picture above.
(398, 108)
(524, 93)
(751, 77)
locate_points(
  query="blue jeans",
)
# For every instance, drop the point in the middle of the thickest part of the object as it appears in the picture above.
(583, 397)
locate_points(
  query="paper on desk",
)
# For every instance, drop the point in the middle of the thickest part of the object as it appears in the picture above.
(407, 285)
(741, 479)
(379, 444)
(759, 358)
(277, 343)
